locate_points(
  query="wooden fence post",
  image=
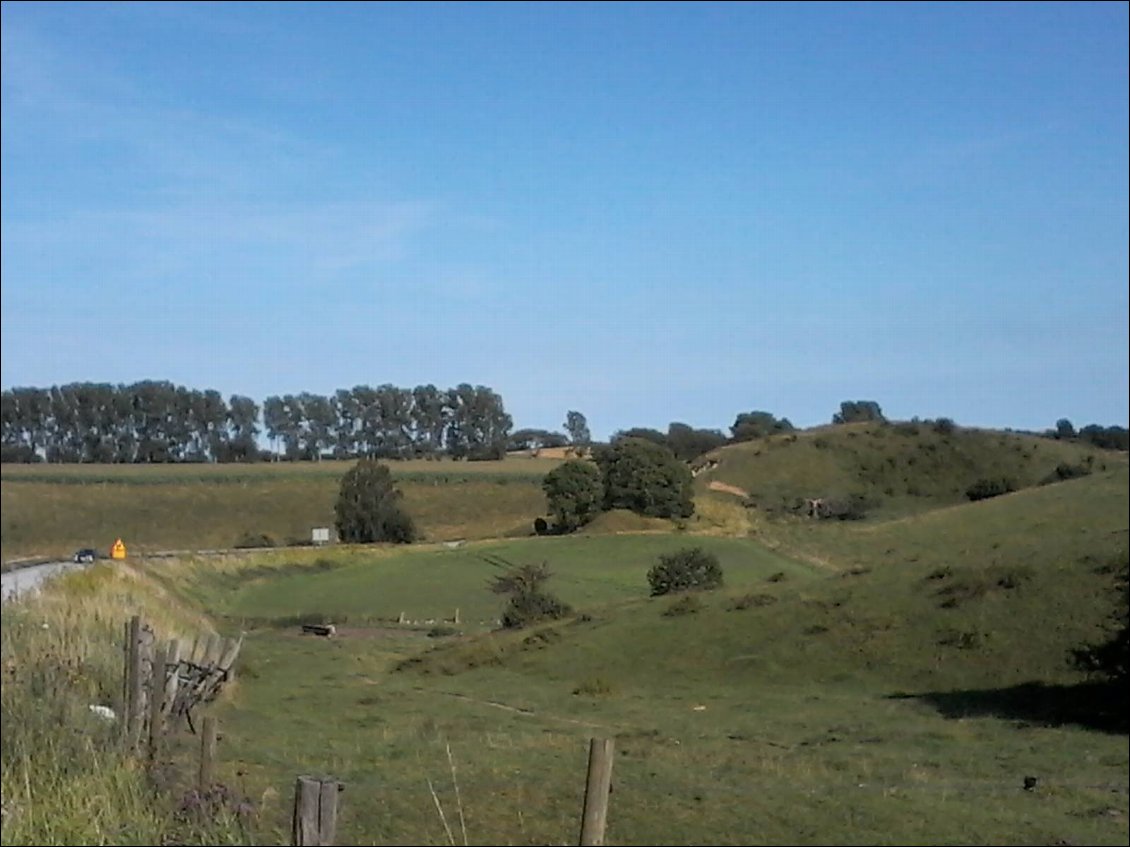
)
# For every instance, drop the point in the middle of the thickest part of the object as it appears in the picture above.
(315, 812)
(172, 657)
(598, 784)
(132, 719)
(205, 775)
(157, 684)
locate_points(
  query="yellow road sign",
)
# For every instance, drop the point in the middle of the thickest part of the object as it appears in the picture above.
(118, 551)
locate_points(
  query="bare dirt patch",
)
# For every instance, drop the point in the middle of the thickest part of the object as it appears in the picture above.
(715, 485)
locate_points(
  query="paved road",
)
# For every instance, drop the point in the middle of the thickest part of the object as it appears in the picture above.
(25, 580)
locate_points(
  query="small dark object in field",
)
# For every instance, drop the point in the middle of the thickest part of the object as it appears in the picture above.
(1030, 783)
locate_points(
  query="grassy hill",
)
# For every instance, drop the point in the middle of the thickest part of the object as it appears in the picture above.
(898, 694)
(887, 681)
(898, 468)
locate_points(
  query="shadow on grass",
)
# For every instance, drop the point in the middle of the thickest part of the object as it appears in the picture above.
(1093, 705)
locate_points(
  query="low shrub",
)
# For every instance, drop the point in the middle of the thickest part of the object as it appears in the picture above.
(985, 488)
(685, 570)
(686, 605)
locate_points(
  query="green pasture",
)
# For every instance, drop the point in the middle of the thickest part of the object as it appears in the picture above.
(854, 707)
(429, 583)
(888, 681)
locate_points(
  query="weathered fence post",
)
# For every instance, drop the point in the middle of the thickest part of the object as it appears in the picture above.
(172, 658)
(315, 812)
(597, 787)
(205, 773)
(131, 721)
(157, 688)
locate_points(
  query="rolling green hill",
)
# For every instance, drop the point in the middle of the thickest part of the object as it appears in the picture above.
(899, 694)
(886, 681)
(897, 468)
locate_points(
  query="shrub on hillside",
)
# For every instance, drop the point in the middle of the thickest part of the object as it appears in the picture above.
(528, 601)
(944, 426)
(686, 570)
(368, 507)
(1064, 471)
(983, 489)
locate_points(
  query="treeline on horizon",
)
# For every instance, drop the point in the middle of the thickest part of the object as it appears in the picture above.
(159, 422)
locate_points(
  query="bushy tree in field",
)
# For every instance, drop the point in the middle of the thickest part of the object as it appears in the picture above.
(645, 478)
(368, 507)
(574, 491)
(528, 601)
(686, 570)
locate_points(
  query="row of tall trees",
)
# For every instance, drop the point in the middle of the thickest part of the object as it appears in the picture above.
(143, 422)
(387, 422)
(161, 422)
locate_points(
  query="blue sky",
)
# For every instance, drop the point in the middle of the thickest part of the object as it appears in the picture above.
(646, 212)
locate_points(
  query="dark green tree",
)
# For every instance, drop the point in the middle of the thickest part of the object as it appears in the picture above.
(856, 411)
(645, 478)
(578, 428)
(646, 433)
(368, 507)
(574, 491)
(750, 425)
(535, 439)
(1064, 429)
(690, 569)
(687, 443)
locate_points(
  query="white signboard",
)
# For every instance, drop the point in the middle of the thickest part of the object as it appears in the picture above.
(321, 535)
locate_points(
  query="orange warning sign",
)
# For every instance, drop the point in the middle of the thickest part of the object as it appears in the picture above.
(118, 551)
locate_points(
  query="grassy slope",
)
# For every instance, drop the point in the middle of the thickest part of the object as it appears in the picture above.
(855, 707)
(904, 468)
(52, 510)
(430, 583)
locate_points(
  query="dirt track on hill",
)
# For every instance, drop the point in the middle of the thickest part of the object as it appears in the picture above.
(714, 485)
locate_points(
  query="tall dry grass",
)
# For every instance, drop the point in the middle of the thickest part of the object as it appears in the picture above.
(64, 775)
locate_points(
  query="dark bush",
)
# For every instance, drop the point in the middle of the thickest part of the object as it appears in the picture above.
(983, 489)
(541, 526)
(686, 570)
(528, 601)
(1064, 471)
(251, 540)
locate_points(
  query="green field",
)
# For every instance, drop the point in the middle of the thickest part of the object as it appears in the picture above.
(887, 681)
(897, 695)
